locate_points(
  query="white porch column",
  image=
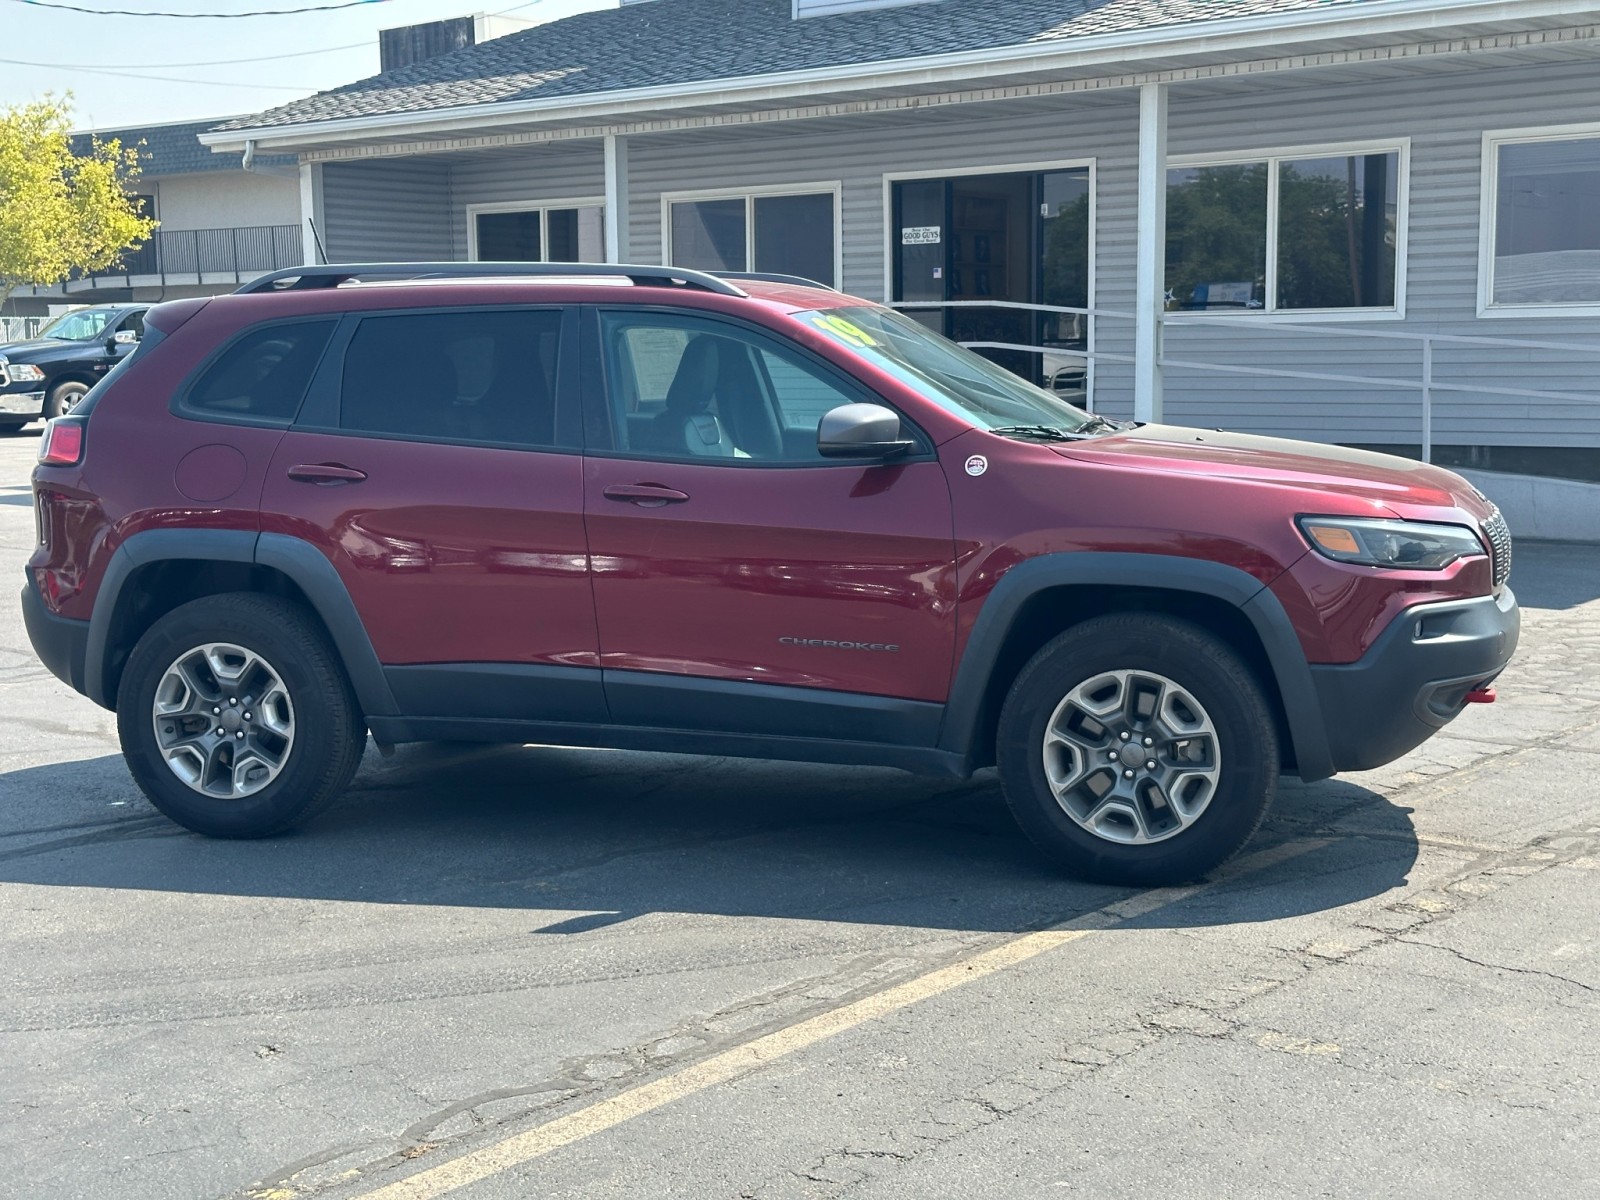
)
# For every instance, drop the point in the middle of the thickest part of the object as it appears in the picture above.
(616, 151)
(311, 223)
(1150, 265)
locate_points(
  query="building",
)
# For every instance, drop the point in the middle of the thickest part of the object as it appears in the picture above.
(223, 220)
(1368, 222)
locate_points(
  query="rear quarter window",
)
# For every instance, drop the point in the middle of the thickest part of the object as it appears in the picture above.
(263, 375)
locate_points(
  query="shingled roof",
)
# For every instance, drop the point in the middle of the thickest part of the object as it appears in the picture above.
(171, 149)
(676, 42)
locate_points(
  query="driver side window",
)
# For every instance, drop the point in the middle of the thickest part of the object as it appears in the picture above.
(686, 388)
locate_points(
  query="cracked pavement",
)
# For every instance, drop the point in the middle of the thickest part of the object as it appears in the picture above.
(1394, 993)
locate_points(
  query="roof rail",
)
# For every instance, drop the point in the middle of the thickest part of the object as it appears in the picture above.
(333, 274)
(774, 277)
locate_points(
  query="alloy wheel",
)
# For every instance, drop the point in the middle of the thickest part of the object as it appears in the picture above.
(1132, 757)
(224, 721)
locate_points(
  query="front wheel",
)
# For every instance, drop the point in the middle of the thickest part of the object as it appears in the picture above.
(1138, 749)
(236, 718)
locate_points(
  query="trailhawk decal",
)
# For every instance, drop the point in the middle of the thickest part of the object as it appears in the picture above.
(832, 644)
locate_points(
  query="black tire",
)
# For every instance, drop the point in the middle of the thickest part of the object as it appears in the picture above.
(7, 428)
(63, 398)
(329, 734)
(1229, 696)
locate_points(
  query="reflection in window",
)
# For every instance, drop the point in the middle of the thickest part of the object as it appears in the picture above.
(681, 387)
(781, 235)
(510, 237)
(263, 375)
(541, 235)
(1334, 223)
(454, 376)
(1336, 231)
(709, 235)
(1217, 237)
(1547, 222)
(794, 236)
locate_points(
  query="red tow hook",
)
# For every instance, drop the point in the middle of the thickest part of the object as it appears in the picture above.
(1482, 695)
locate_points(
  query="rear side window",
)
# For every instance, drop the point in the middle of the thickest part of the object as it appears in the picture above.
(471, 376)
(264, 375)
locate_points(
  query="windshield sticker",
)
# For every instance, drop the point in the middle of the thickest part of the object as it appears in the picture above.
(977, 465)
(844, 330)
(920, 235)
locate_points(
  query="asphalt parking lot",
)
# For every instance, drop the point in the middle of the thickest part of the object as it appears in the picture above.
(520, 972)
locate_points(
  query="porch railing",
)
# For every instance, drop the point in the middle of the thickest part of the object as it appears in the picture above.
(188, 255)
(1426, 383)
(20, 329)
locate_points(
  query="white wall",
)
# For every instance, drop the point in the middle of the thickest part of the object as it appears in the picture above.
(225, 199)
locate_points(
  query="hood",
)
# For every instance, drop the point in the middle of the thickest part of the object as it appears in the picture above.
(22, 351)
(1400, 485)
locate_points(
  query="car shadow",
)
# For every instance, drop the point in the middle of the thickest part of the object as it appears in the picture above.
(593, 838)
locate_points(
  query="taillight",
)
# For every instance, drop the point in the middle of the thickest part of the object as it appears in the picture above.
(62, 444)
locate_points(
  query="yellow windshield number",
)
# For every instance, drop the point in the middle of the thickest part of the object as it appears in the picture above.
(844, 330)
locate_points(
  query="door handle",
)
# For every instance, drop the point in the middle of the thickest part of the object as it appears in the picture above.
(326, 473)
(646, 495)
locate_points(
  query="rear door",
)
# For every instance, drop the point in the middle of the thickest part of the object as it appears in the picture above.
(733, 564)
(436, 464)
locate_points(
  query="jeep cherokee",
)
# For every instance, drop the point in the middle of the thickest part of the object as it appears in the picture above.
(643, 507)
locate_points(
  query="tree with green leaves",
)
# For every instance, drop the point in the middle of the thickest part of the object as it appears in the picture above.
(62, 212)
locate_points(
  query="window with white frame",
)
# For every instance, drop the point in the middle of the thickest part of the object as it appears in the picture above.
(787, 233)
(1290, 232)
(1543, 227)
(573, 233)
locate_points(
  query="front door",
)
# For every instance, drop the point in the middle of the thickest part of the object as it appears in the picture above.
(1010, 239)
(741, 580)
(431, 469)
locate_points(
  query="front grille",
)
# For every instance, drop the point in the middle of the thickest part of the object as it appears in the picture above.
(1499, 546)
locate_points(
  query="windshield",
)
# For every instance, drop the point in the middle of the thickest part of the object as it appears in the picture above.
(78, 326)
(960, 381)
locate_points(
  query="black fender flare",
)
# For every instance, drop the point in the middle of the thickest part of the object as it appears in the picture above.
(1291, 671)
(298, 560)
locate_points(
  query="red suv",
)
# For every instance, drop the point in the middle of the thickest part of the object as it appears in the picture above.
(647, 508)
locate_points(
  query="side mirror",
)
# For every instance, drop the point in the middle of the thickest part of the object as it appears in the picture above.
(861, 431)
(124, 337)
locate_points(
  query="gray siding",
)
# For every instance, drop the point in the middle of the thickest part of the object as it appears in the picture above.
(540, 173)
(1445, 118)
(1443, 115)
(386, 210)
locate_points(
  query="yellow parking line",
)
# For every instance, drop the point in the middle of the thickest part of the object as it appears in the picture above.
(742, 1059)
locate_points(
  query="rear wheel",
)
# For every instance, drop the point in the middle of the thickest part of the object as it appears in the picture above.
(236, 718)
(63, 398)
(1138, 749)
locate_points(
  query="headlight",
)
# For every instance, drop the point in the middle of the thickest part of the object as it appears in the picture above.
(23, 373)
(1401, 545)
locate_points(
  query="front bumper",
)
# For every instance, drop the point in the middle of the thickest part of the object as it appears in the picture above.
(1414, 679)
(21, 404)
(61, 643)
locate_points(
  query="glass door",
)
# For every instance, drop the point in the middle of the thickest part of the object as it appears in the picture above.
(1020, 238)
(1064, 282)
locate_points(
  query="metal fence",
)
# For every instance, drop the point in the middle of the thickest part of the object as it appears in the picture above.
(1426, 382)
(20, 329)
(187, 255)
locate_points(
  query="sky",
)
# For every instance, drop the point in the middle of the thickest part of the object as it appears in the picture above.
(170, 69)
